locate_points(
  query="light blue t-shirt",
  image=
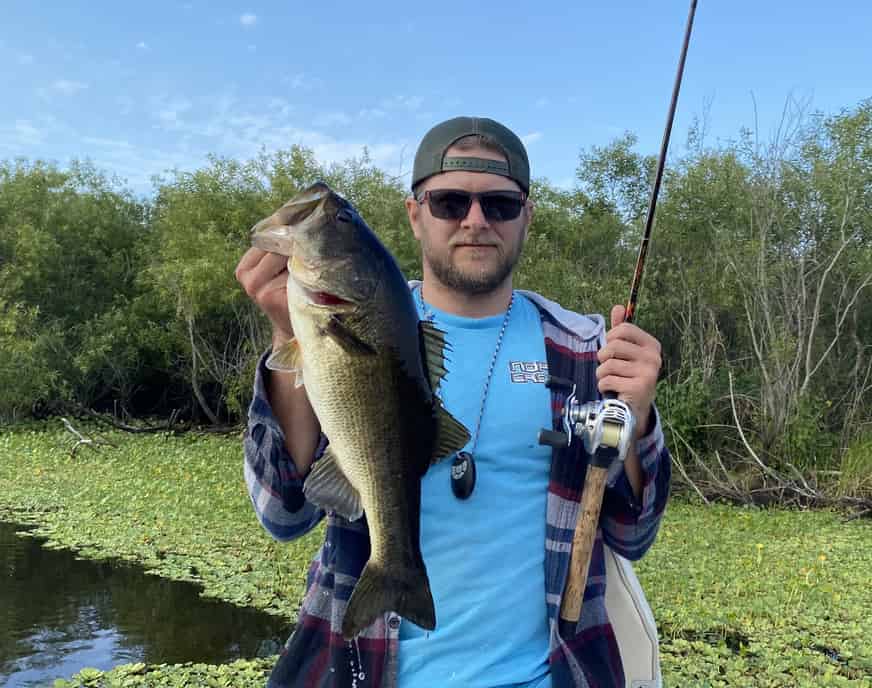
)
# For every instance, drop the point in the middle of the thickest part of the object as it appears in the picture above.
(485, 555)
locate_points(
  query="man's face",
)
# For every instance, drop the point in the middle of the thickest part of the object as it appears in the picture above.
(474, 255)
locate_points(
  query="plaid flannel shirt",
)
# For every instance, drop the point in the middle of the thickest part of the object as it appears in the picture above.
(317, 656)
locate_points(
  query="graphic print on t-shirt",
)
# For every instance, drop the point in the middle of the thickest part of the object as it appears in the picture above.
(528, 371)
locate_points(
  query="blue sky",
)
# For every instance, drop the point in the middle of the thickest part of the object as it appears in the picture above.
(140, 88)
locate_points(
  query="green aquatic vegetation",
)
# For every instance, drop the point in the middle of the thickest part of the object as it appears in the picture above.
(761, 597)
(757, 598)
(177, 505)
(243, 673)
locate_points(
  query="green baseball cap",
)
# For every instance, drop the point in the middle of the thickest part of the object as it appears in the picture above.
(430, 158)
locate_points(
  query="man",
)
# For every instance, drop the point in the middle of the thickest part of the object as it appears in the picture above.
(496, 547)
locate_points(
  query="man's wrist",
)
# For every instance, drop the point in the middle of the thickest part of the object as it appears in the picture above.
(280, 338)
(650, 424)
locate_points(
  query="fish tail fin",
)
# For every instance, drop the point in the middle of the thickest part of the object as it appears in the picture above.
(406, 592)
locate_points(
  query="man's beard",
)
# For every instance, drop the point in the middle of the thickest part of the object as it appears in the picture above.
(473, 283)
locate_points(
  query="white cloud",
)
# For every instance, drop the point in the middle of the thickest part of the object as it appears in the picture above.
(137, 164)
(27, 134)
(68, 87)
(301, 81)
(394, 103)
(223, 124)
(531, 137)
(126, 104)
(100, 142)
(168, 111)
(248, 19)
(142, 45)
(401, 102)
(25, 59)
(371, 113)
(333, 118)
(280, 106)
(239, 130)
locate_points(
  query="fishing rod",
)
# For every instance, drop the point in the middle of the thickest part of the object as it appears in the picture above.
(606, 427)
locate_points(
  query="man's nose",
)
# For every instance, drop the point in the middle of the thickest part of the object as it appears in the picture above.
(475, 216)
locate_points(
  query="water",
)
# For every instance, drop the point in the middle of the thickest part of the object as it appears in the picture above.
(59, 615)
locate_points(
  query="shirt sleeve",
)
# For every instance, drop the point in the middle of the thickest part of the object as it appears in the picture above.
(274, 484)
(629, 525)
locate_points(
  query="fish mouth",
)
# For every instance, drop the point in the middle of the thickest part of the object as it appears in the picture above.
(275, 239)
(276, 232)
(306, 277)
(325, 298)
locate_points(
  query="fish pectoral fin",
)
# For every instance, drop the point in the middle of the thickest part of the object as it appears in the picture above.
(288, 358)
(328, 487)
(451, 435)
(340, 333)
(433, 348)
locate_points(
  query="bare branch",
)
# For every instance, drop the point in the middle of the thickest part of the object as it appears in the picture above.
(83, 440)
(751, 452)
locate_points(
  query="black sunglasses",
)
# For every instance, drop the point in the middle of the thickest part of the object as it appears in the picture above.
(454, 204)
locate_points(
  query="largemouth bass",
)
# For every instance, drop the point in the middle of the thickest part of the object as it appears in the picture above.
(370, 369)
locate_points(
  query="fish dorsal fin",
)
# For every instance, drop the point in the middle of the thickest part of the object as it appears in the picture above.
(433, 348)
(451, 434)
(328, 487)
(288, 359)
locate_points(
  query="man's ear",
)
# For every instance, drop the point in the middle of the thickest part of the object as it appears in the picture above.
(413, 209)
(528, 217)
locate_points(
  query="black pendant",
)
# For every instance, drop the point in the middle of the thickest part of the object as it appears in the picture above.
(462, 475)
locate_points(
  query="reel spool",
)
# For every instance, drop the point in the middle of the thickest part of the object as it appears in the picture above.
(603, 424)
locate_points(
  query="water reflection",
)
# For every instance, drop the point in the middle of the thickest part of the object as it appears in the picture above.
(58, 615)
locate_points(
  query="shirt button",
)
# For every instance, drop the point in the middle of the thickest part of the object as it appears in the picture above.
(394, 622)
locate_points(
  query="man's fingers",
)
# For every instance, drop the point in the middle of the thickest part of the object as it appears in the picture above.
(249, 259)
(631, 333)
(628, 351)
(618, 367)
(613, 383)
(617, 315)
(277, 283)
(265, 269)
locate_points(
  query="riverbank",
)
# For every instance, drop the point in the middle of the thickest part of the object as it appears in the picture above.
(751, 598)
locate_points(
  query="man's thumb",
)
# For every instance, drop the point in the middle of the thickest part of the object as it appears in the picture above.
(618, 313)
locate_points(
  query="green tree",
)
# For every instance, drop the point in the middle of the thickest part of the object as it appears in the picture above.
(68, 247)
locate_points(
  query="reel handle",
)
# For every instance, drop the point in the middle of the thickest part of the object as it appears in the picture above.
(553, 438)
(554, 382)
